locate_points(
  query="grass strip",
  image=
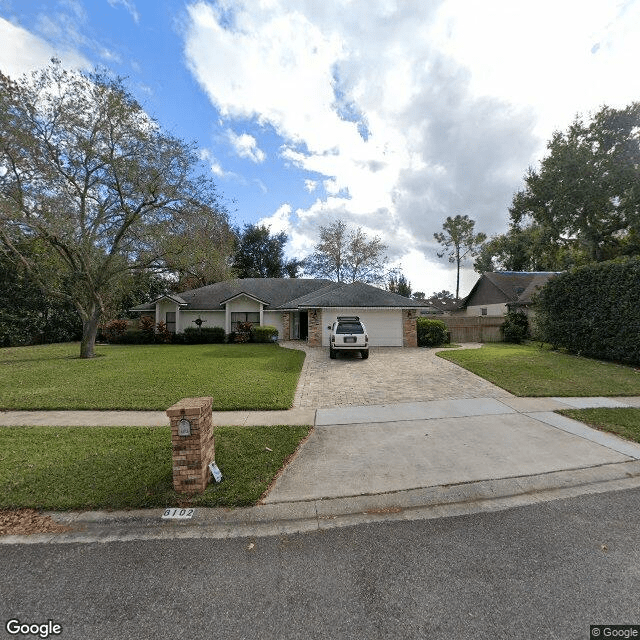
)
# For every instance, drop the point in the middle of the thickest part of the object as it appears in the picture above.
(528, 370)
(623, 421)
(63, 468)
(151, 377)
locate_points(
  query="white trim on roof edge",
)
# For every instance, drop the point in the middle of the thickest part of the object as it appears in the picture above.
(243, 293)
(347, 306)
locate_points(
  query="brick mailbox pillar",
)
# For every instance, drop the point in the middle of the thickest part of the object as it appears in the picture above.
(192, 443)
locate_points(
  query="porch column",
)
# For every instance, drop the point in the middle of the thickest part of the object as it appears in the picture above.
(409, 329)
(315, 327)
(286, 325)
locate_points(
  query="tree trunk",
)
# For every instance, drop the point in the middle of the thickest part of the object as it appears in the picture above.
(89, 334)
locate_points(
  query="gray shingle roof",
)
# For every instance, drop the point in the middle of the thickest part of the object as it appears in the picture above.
(537, 282)
(357, 294)
(289, 293)
(516, 286)
(444, 305)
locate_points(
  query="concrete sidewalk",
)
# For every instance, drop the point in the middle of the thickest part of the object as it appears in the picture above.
(149, 418)
(300, 416)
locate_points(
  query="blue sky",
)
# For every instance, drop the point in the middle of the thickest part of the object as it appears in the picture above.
(388, 114)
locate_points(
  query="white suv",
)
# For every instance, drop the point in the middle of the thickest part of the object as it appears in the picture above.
(348, 334)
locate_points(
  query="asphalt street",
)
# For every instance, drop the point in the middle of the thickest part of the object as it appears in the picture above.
(542, 571)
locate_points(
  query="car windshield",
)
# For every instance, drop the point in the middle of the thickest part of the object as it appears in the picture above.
(349, 327)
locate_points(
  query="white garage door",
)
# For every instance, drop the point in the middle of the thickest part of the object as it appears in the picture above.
(384, 326)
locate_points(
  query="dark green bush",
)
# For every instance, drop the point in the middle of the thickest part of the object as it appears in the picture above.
(265, 333)
(515, 327)
(134, 336)
(431, 333)
(594, 311)
(204, 335)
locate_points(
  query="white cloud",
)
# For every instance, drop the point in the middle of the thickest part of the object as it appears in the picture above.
(129, 6)
(217, 170)
(246, 146)
(279, 221)
(261, 185)
(22, 52)
(559, 57)
(412, 111)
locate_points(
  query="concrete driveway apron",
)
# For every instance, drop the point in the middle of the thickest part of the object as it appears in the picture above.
(356, 451)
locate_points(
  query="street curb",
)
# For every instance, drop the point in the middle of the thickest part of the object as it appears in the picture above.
(318, 515)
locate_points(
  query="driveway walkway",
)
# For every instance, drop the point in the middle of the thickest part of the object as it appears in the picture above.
(390, 375)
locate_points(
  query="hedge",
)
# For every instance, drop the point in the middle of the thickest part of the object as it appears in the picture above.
(264, 333)
(431, 333)
(203, 335)
(191, 335)
(594, 311)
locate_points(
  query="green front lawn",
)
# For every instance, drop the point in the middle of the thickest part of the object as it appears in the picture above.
(624, 422)
(528, 370)
(238, 376)
(61, 468)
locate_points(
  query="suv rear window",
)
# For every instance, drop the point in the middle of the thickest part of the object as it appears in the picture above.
(349, 327)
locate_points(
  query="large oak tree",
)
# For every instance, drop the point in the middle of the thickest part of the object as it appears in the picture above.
(582, 204)
(91, 176)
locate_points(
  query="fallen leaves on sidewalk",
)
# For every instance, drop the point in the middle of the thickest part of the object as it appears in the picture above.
(27, 522)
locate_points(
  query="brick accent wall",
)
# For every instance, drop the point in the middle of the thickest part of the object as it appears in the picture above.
(192, 454)
(286, 325)
(409, 330)
(315, 327)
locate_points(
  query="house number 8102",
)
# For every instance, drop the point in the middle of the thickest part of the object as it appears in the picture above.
(178, 514)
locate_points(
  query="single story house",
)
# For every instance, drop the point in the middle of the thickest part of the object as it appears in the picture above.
(299, 308)
(438, 306)
(498, 291)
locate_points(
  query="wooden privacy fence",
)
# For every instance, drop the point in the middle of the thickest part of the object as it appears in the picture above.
(474, 328)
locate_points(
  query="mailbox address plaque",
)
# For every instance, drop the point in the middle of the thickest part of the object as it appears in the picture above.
(184, 427)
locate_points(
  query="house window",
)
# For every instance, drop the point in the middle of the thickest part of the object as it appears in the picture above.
(241, 316)
(170, 321)
(483, 311)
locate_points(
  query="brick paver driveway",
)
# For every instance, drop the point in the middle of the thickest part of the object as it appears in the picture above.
(390, 375)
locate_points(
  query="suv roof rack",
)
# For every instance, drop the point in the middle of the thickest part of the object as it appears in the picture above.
(348, 318)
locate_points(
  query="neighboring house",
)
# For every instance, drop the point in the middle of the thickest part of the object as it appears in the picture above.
(439, 306)
(497, 292)
(299, 308)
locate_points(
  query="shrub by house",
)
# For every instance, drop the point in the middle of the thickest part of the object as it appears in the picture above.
(431, 333)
